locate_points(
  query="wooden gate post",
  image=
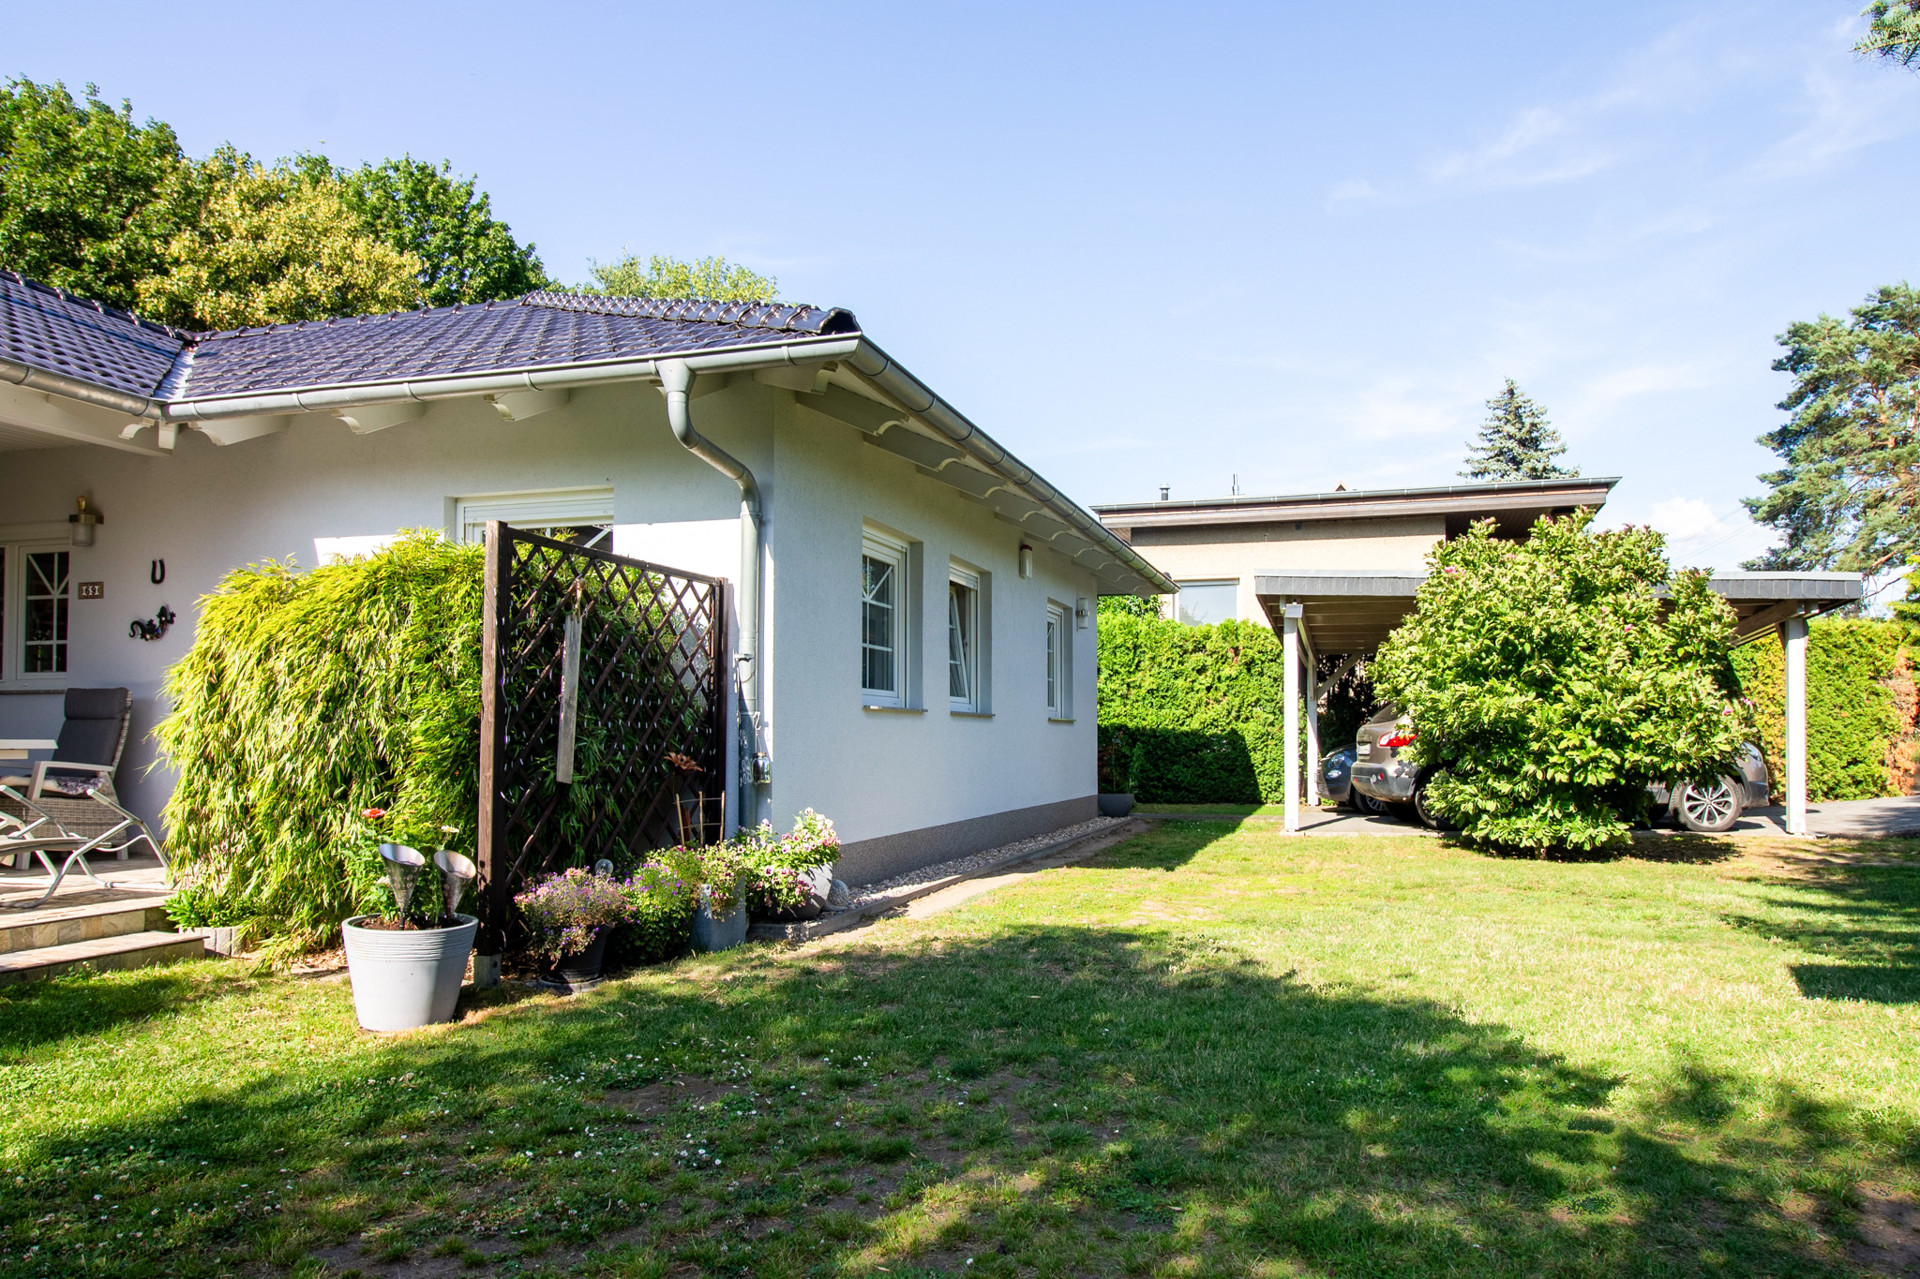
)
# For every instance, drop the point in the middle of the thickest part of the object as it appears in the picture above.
(496, 619)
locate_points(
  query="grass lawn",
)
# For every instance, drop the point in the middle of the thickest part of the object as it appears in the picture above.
(1212, 1050)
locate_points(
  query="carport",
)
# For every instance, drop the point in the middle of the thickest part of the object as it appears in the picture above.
(1350, 614)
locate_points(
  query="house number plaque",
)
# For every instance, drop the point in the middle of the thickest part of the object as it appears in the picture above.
(93, 590)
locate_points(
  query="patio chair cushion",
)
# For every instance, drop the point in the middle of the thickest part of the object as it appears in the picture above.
(95, 727)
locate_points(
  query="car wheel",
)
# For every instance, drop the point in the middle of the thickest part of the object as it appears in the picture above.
(1708, 810)
(1367, 805)
(1425, 811)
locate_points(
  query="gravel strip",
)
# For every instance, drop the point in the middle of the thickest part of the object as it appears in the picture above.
(978, 861)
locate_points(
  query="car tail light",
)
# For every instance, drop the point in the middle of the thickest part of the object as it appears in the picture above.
(1397, 740)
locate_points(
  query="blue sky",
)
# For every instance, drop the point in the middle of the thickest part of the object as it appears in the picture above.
(1146, 246)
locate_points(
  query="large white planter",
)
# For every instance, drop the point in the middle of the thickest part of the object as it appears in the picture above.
(403, 978)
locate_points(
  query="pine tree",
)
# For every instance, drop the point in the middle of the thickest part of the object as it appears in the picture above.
(1516, 442)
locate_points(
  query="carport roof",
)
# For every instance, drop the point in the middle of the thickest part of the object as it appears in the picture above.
(1354, 611)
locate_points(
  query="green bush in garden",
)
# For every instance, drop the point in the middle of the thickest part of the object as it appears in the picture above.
(306, 699)
(1551, 680)
(1855, 725)
(1190, 714)
(661, 925)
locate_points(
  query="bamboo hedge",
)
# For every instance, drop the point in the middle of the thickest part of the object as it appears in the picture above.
(308, 697)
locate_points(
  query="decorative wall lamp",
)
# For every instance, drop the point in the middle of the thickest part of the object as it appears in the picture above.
(84, 521)
(1026, 560)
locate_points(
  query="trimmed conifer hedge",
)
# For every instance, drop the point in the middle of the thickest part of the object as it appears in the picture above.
(1859, 707)
(1191, 714)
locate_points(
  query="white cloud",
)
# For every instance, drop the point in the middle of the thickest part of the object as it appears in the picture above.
(1353, 190)
(1845, 111)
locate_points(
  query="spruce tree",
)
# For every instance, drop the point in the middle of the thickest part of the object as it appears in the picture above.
(1516, 442)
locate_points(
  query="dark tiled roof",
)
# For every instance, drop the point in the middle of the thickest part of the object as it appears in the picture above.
(45, 329)
(50, 329)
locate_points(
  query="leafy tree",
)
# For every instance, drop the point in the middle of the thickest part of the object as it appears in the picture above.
(274, 246)
(1893, 32)
(1549, 682)
(468, 255)
(1129, 606)
(714, 278)
(1845, 497)
(89, 199)
(1516, 442)
(1907, 611)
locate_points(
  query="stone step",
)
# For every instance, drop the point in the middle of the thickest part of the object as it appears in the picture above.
(129, 950)
(60, 925)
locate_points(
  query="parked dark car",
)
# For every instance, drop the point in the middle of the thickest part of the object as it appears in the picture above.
(1336, 773)
(1379, 772)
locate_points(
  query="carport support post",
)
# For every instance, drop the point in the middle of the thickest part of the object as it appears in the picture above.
(1290, 717)
(1793, 638)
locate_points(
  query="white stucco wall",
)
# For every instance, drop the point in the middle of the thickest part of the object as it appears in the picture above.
(207, 509)
(883, 772)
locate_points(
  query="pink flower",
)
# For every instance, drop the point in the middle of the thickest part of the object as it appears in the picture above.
(373, 814)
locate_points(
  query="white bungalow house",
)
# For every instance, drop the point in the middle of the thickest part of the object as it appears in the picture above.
(777, 446)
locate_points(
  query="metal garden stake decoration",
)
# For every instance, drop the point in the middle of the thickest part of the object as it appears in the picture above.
(403, 871)
(456, 872)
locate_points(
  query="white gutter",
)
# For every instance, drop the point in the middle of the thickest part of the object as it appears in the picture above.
(327, 398)
(878, 368)
(74, 389)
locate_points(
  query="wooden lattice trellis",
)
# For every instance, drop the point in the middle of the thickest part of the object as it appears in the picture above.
(647, 682)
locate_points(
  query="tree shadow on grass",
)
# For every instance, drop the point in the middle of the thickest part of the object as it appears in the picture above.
(1864, 919)
(46, 1012)
(1175, 1106)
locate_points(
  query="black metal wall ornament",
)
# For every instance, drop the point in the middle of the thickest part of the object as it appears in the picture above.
(154, 627)
(157, 572)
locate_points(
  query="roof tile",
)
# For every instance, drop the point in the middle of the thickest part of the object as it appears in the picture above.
(47, 329)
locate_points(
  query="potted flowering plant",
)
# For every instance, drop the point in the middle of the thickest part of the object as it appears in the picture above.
(572, 914)
(717, 874)
(789, 878)
(407, 958)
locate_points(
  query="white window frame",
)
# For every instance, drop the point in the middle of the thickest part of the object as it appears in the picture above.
(534, 510)
(968, 611)
(1058, 673)
(896, 552)
(13, 614)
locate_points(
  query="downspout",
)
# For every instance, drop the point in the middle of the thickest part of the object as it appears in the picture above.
(676, 380)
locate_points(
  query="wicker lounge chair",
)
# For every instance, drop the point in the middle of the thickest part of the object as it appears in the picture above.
(68, 804)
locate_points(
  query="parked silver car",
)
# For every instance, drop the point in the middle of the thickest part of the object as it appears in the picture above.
(1380, 773)
(1336, 773)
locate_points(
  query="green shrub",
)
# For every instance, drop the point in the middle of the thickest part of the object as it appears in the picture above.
(1855, 725)
(308, 697)
(661, 925)
(1190, 714)
(1549, 681)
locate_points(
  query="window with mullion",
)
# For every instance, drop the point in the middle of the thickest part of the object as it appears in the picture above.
(1058, 664)
(963, 642)
(880, 617)
(46, 599)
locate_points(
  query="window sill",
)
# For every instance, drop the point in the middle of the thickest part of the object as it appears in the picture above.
(1059, 719)
(895, 710)
(22, 690)
(971, 714)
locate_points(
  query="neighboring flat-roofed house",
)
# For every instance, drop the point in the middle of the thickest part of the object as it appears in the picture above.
(925, 641)
(1215, 547)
